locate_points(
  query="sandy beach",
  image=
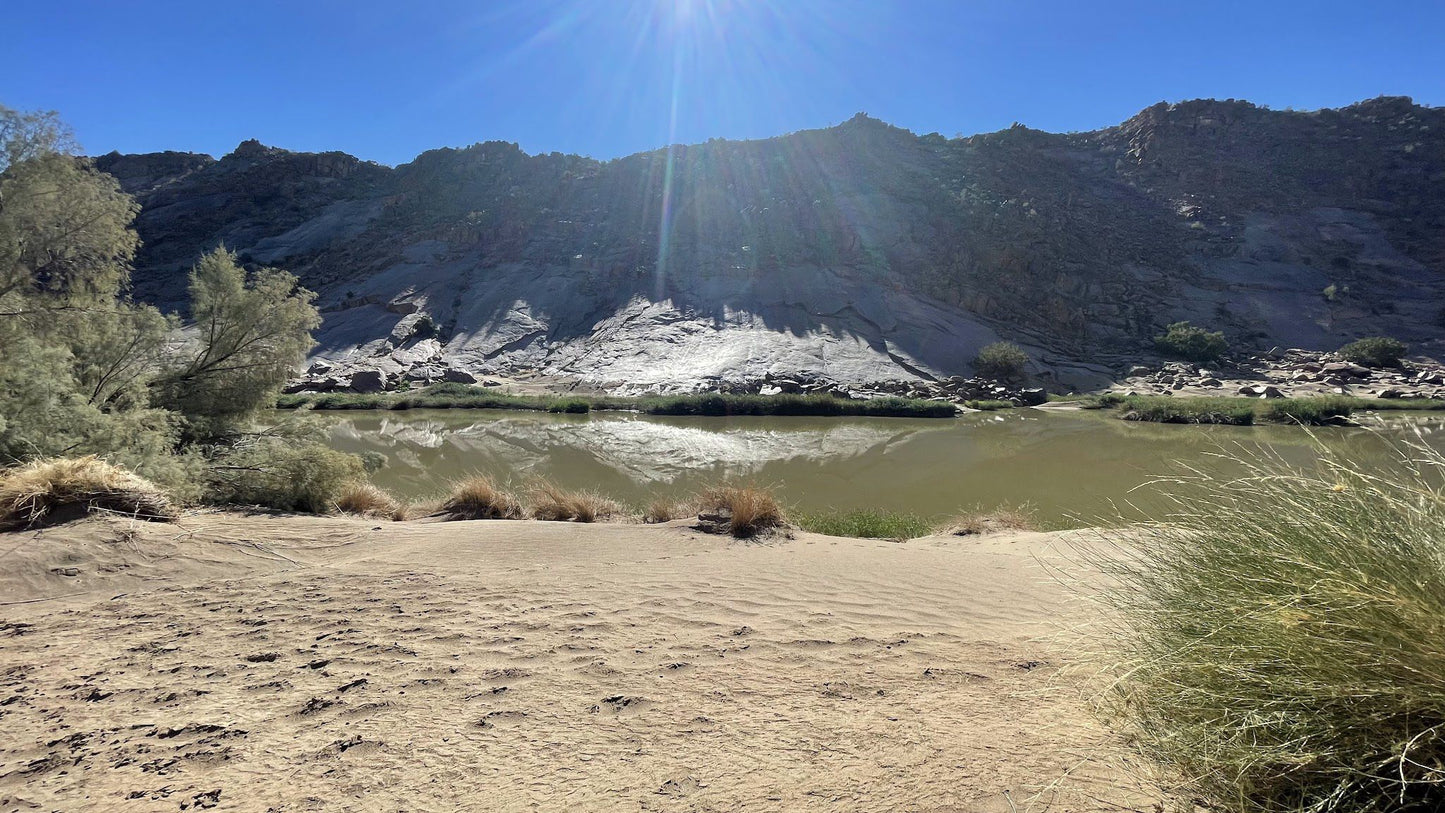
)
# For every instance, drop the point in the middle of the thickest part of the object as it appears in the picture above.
(299, 663)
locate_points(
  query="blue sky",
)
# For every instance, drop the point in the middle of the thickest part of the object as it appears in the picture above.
(387, 80)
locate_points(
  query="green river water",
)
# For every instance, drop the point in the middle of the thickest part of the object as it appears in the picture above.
(1070, 467)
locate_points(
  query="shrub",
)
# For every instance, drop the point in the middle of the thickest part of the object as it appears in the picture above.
(551, 503)
(284, 474)
(1002, 361)
(479, 497)
(367, 500)
(1375, 351)
(62, 489)
(998, 520)
(1185, 341)
(746, 510)
(866, 523)
(1279, 642)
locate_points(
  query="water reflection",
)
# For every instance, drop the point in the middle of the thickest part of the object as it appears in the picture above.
(1069, 466)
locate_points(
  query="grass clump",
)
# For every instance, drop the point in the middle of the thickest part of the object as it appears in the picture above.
(664, 510)
(866, 523)
(998, 520)
(479, 497)
(1309, 411)
(1279, 642)
(575, 406)
(1167, 409)
(366, 500)
(743, 511)
(60, 489)
(551, 503)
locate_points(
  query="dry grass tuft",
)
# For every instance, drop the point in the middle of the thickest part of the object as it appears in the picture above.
(662, 510)
(551, 503)
(367, 500)
(999, 520)
(63, 489)
(479, 497)
(746, 511)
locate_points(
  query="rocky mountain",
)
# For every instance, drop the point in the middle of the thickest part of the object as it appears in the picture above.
(857, 253)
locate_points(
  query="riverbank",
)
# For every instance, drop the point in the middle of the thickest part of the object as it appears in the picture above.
(1319, 410)
(464, 396)
(435, 665)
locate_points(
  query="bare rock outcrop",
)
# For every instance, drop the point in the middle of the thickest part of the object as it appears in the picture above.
(858, 253)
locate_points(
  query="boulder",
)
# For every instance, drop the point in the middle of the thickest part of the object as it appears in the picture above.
(456, 376)
(1347, 369)
(1033, 396)
(1260, 391)
(368, 381)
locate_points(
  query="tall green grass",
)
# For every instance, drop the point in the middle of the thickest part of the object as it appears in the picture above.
(866, 523)
(1279, 641)
(1317, 410)
(1166, 409)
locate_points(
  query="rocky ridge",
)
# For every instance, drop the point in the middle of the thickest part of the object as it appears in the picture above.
(858, 253)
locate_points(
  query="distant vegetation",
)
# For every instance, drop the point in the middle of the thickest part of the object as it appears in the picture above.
(86, 371)
(463, 396)
(1001, 361)
(1278, 643)
(1375, 351)
(1185, 341)
(1239, 411)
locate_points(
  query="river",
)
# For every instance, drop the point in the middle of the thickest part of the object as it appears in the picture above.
(1069, 467)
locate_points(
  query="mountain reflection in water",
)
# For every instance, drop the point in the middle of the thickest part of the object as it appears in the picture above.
(1070, 467)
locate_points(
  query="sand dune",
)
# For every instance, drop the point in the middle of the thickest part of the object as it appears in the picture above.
(290, 664)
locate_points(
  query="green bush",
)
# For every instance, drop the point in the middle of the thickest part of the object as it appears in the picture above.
(1001, 361)
(1279, 642)
(1375, 351)
(1185, 341)
(284, 474)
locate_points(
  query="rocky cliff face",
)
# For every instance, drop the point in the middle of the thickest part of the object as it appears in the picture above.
(857, 253)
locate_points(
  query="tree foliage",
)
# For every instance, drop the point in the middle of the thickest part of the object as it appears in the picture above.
(1185, 341)
(249, 339)
(1001, 361)
(1375, 351)
(85, 370)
